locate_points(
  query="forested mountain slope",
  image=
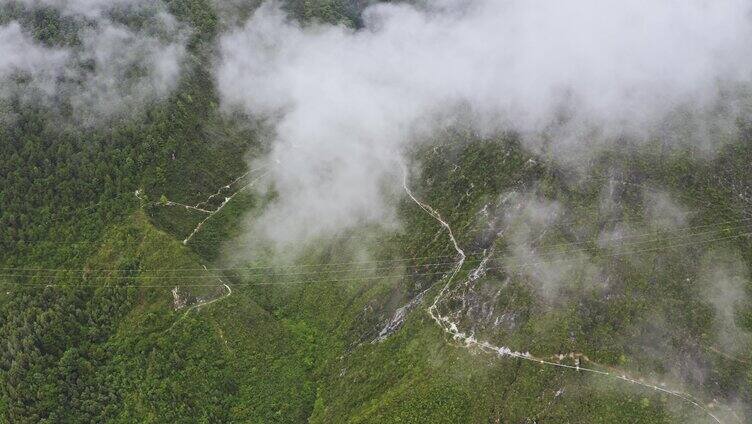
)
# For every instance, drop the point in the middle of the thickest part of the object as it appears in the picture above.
(509, 287)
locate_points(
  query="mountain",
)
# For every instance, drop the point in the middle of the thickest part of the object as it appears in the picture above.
(154, 268)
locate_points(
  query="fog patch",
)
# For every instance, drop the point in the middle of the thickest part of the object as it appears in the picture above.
(662, 211)
(87, 8)
(555, 269)
(114, 69)
(22, 58)
(130, 68)
(725, 281)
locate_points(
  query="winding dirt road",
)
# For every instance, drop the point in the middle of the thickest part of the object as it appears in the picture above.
(470, 341)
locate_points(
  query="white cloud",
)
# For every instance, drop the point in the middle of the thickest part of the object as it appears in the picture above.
(20, 55)
(346, 102)
(116, 51)
(662, 211)
(725, 279)
(115, 69)
(89, 8)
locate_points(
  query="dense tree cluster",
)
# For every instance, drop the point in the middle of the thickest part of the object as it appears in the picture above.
(62, 186)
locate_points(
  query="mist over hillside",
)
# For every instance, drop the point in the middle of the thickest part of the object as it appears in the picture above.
(572, 78)
(332, 211)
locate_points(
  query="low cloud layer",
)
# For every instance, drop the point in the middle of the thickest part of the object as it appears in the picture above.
(113, 68)
(552, 271)
(87, 8)
(21, 54)
(725, 279)
(570, 76)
